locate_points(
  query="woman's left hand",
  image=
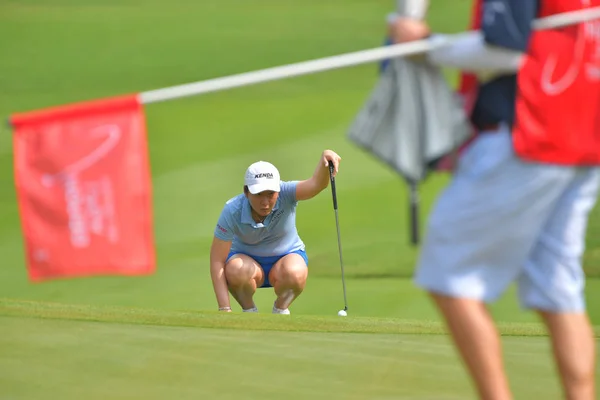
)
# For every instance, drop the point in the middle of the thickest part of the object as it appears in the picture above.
(330, 155)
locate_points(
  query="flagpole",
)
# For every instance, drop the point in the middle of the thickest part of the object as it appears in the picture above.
(343, 60)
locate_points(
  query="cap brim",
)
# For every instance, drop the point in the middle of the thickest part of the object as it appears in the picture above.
(261, 187)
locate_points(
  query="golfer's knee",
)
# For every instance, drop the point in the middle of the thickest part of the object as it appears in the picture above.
(293, 275)
(238, 272)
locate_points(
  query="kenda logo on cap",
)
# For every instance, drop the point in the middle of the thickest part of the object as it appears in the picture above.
(267, 175)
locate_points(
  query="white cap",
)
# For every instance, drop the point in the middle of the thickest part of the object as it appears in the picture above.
(262, 176)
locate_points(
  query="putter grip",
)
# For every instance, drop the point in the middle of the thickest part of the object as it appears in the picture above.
(333, 191)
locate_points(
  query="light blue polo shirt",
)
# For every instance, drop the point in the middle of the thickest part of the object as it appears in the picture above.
(276, 236)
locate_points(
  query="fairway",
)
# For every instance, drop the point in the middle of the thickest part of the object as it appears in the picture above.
(159, 336)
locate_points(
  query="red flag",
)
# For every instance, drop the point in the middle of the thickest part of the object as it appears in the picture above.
(83, 185)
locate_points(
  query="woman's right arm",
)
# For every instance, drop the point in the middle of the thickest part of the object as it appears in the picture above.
(218, 254)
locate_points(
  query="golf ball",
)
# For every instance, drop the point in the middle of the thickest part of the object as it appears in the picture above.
(342, 313)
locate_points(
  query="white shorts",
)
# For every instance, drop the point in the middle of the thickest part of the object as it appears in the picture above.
(502, 220)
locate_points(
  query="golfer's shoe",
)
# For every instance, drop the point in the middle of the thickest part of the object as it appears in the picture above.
(253, 309)
(280, 311)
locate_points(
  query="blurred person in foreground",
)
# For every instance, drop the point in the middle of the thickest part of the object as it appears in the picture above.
(516, 209)
(256, 243)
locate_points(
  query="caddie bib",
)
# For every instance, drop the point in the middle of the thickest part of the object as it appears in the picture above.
(557, 118)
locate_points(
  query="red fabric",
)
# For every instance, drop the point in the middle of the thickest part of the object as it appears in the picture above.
(558, 101)
(83, 185)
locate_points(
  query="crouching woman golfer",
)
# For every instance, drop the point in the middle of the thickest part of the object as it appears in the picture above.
(256, 244)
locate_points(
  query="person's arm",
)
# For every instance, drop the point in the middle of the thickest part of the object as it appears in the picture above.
(498, 47)
(221, 244)
(309, 188)
(471, 53)
(218, 254)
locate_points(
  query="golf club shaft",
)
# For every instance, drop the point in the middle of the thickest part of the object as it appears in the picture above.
(337, 225)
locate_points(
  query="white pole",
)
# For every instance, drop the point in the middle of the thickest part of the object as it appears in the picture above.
(565, 19)
(287, 71)
(340, 61)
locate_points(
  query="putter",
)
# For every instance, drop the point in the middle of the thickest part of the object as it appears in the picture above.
(337, 224)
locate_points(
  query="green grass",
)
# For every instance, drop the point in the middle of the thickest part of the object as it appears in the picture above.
(243, 321)
(154, 336)
(97, 351)
(378, 297)
(96, 361)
